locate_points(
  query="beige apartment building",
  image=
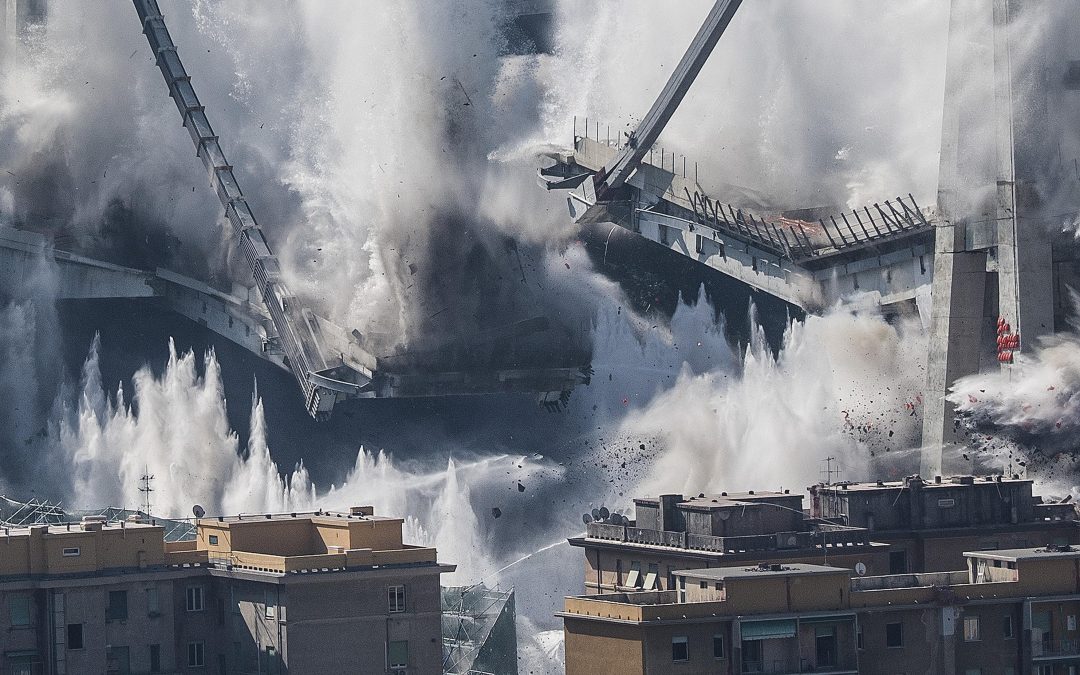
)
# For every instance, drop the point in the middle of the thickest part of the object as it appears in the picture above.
(928, 524)
(1008, 612)
(869, 528)
(272, 594)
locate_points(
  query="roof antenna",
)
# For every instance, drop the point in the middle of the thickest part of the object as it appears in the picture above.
(828, 472)
(145, 479)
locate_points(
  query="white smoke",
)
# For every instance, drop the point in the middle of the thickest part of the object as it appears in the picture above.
(801, 104)
(1023, 418)
(843, 386)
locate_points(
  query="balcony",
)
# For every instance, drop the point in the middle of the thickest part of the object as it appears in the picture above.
(831, 536)
(1054, 649)
(791, 667)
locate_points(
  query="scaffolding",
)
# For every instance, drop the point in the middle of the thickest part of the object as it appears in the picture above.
(17, 514)
(479, 632)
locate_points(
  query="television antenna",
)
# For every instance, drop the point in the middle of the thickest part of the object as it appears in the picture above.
(828, 472)
(145, 488)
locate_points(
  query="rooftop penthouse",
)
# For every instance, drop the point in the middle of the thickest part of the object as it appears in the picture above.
(734, 523)
(943, 503)
(285, 543)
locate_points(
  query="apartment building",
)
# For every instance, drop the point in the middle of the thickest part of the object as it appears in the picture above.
(929, 524)
(252, 594)
(672, 532)
(1008, 612)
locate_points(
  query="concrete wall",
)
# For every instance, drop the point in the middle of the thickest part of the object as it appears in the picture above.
(41, 551)
(592, 647)
(355, 617)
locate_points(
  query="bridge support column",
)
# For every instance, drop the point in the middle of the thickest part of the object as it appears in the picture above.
(988, 199)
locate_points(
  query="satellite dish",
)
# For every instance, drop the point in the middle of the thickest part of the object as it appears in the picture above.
(198, 511)
(616, 519)
(596, 514)
(604, 513)
(586, 518)
(860, 568)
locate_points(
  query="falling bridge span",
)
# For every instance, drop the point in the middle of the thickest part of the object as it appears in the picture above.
(988, 261)
(328, 362)
(804, 257)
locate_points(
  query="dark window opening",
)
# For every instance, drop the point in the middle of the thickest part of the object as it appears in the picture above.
(117, 609)
(894, 635)
(74, 636)
(825, 645)
(718, 646)
(680, 649)
(898, 562)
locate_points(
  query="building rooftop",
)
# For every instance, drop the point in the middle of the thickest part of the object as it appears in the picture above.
(1034, 572)
(937, 482)
(279, 544)
(790, 569)
(1015, 554)
(724, 499)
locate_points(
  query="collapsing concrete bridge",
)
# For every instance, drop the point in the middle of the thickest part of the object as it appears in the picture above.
(330, 362)
(990, 255)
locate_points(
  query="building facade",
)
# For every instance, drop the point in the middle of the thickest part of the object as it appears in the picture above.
(254, 594)
(1008, 612)
(929, 524)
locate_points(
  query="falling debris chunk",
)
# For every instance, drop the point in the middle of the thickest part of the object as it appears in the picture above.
(496, 512)
(521, 488)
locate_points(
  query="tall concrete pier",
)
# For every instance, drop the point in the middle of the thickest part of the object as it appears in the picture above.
(993, 261)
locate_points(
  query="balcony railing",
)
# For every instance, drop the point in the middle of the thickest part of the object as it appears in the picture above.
(832, 536)
(1054, 648)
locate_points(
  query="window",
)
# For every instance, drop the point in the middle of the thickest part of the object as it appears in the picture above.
(271, 661)
(858, 639)
(19, 610)
(71, 551)
(894, 635)
(398, 651)
(1007, 627)
(718, 646)
(74, 636)
(396, 598)
(213, 540)
(194, 599)
(704, 585)
(898, 562)
(680, 649)
(196, 656)
(155, 658)
(752, 656)
(118, 660)
(634, 578)
(270, 605)
(946, 503)
(618, 572)
(825, 646)
(1070, 622)
(116, 610)
(153, 606)
(971, 629)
